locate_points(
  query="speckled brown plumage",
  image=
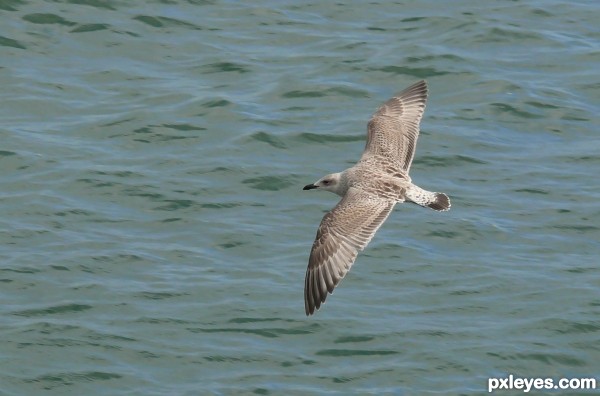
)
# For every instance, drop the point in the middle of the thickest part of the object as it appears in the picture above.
(369, 191)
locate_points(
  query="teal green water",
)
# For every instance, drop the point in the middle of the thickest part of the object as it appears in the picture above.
(153, 229)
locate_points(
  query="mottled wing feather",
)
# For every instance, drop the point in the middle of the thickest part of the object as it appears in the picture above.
(343, 232)
(393, 130)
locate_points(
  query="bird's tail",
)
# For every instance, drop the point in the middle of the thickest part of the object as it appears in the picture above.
(434, 200)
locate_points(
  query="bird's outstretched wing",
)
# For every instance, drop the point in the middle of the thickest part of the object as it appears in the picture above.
(393, 129)
(343, 232)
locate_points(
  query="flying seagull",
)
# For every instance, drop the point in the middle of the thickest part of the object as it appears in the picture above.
(369, 191)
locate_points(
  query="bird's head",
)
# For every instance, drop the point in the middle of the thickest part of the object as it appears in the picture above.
(332, 182)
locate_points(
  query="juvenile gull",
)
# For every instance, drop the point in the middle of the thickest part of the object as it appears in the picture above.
(369, 191)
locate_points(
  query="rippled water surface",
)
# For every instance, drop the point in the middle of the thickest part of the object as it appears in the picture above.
(153, 229)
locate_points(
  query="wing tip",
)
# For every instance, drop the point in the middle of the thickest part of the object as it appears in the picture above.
(314, 295)
(418, 90)
(317, 287)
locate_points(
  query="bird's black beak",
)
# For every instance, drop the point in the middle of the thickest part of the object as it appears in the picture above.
(309, 187)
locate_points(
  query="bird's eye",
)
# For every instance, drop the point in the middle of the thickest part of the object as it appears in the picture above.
(326, 182)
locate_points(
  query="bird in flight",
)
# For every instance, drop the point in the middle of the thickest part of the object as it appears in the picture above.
(369, 191)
